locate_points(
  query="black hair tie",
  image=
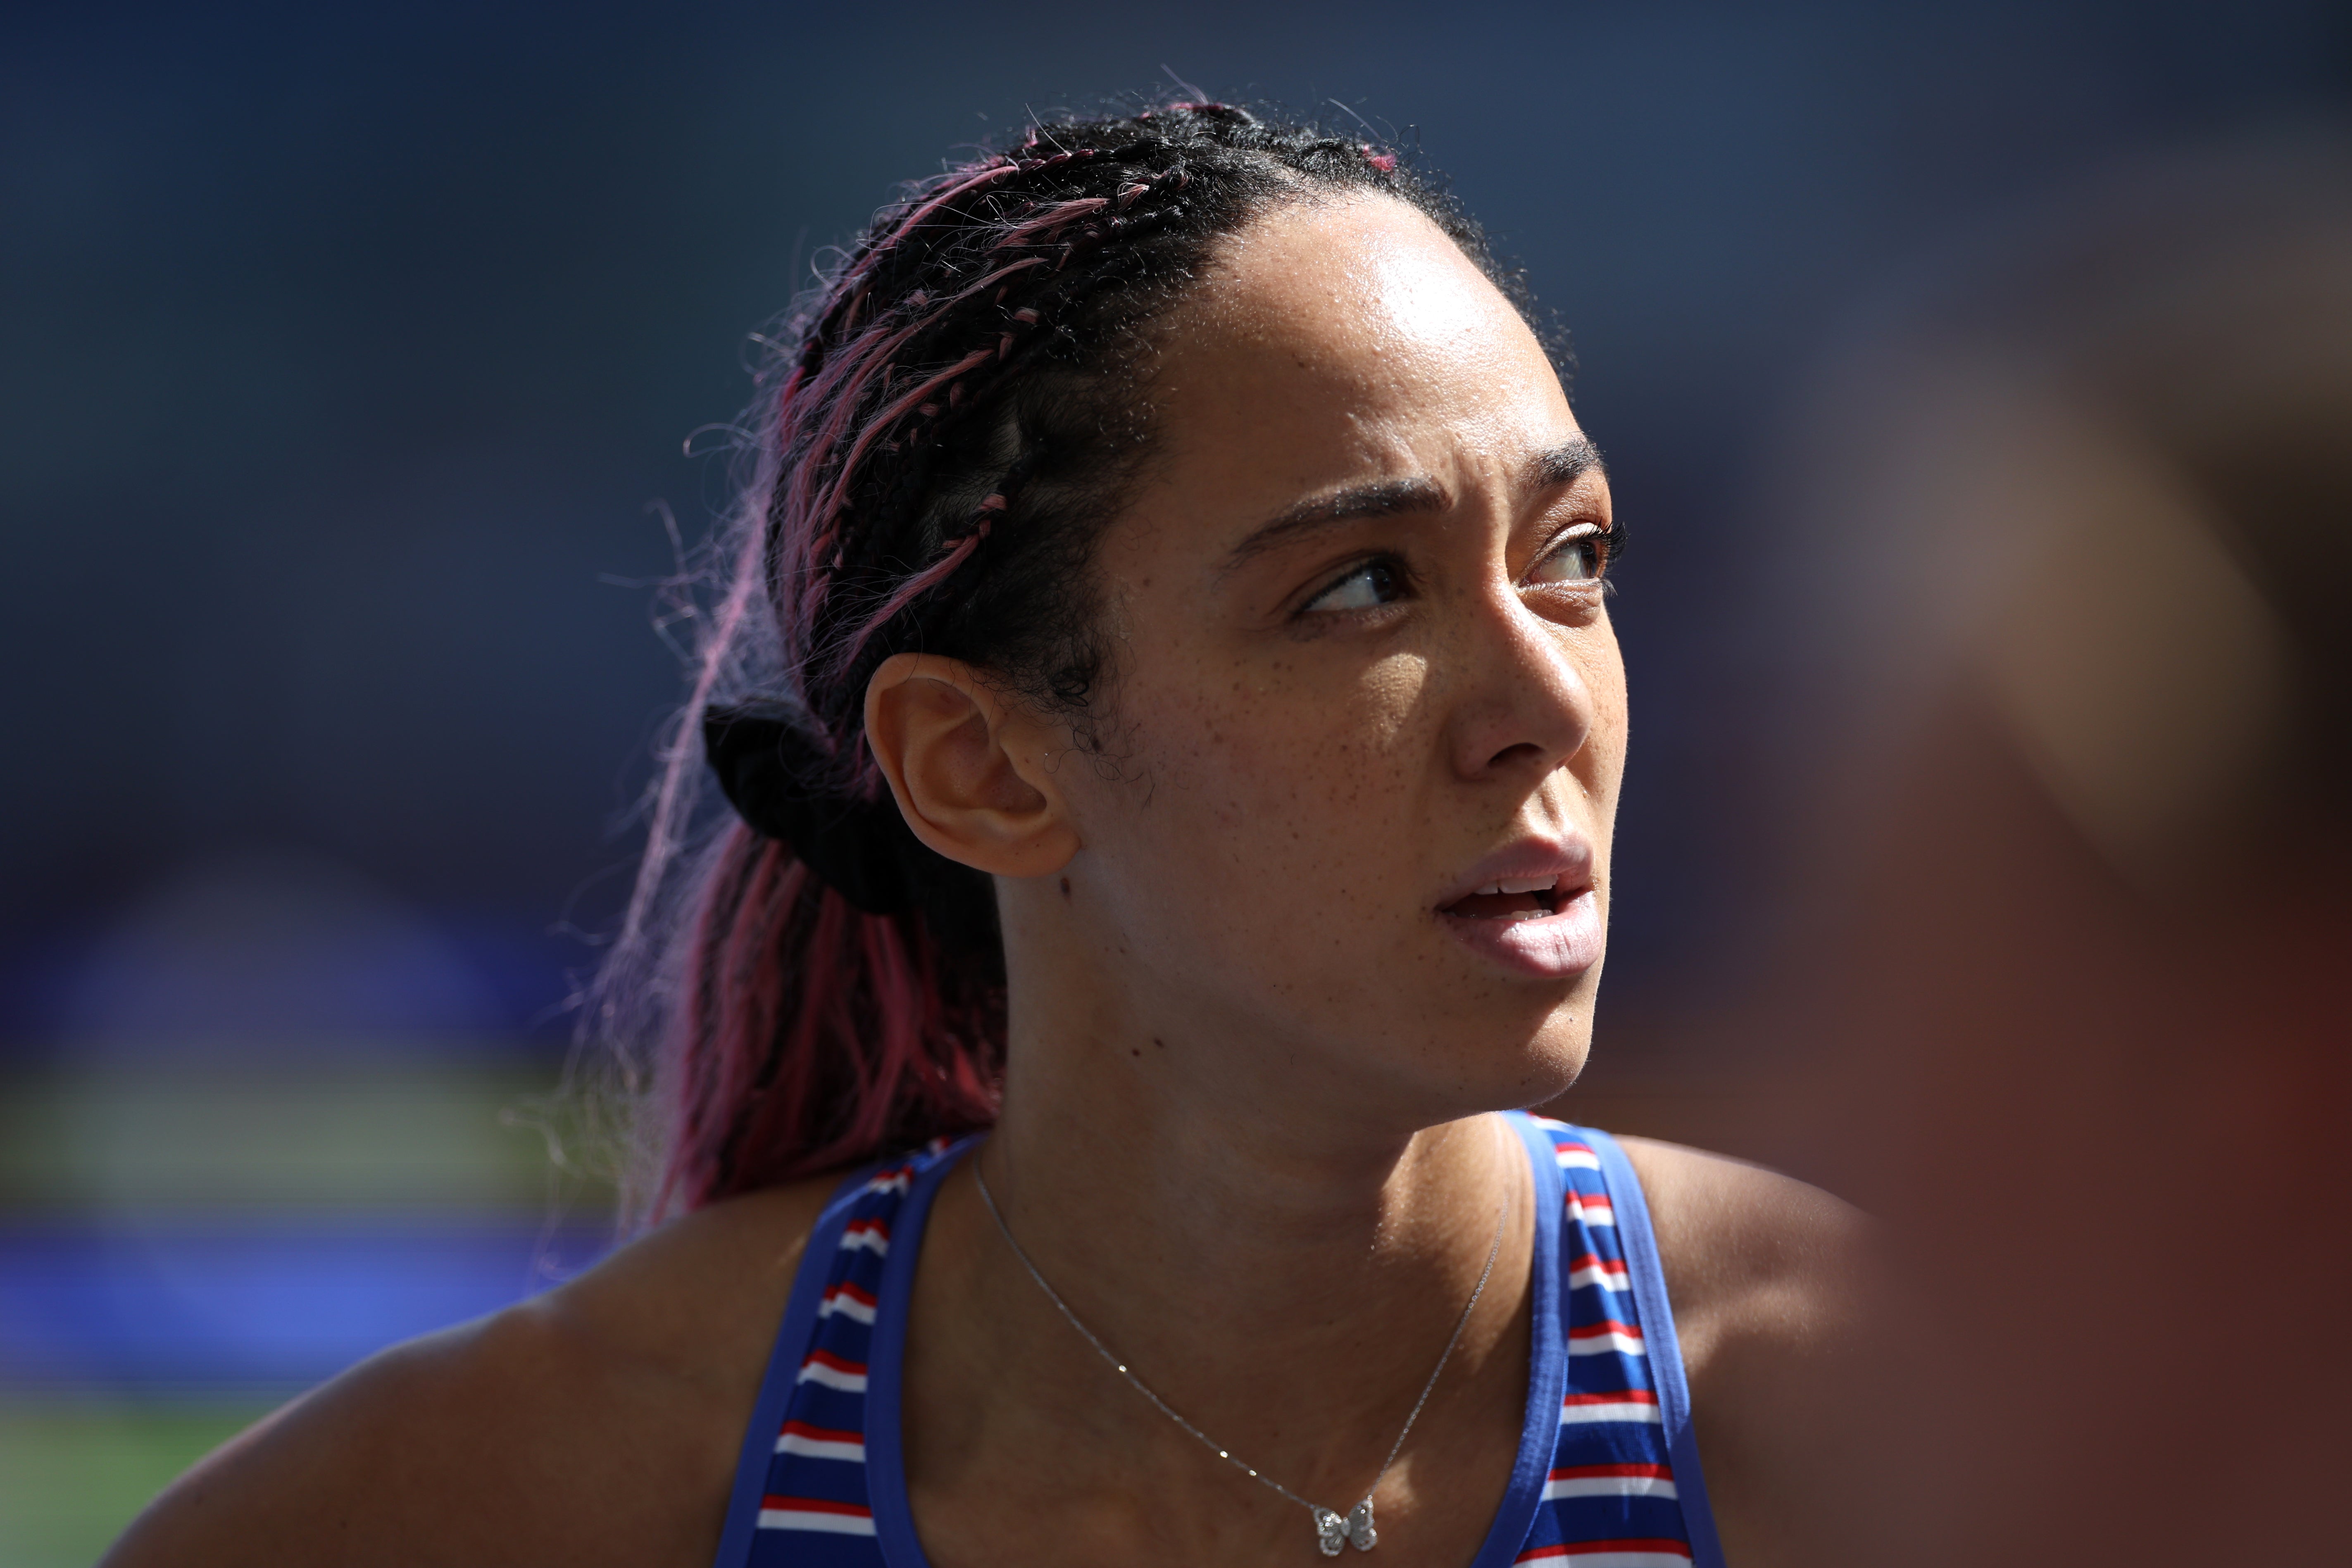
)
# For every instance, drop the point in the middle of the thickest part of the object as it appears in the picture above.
(766, 760)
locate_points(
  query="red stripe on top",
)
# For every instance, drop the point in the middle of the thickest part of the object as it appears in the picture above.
(862, 1298)
(1603, 1328)
(1670, 1548)
(1560, 1146)
(1630, 1397)
(816, 1505)
(827, 1358)
(1594, 1260)
(821, 1434)
(1582, 1472)
(873, 1227)
(1677, 1548)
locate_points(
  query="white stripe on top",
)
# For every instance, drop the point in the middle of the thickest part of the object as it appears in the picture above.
(852, 1452)
(1608, 1486)
(1576, 1414)
(839, 1300)
(823, 1519)
(816, 1371)
(1608, 1275)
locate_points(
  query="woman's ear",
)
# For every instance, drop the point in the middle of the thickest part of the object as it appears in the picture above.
(971, 769)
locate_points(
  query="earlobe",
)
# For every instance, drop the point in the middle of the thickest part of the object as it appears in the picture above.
(967, 767)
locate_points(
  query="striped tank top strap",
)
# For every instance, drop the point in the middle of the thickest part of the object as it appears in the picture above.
(801, 1495)
(1625, 1489)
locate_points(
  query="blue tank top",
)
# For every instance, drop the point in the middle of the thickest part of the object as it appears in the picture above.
(1607, 1475)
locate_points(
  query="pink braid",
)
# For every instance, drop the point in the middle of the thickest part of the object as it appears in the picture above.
(1053, 218)
(785, 977)
(912, 589)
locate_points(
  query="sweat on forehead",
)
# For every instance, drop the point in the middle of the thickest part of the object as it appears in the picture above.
(1400, 274)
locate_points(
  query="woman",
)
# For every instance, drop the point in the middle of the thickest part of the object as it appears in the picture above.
(1165, 675)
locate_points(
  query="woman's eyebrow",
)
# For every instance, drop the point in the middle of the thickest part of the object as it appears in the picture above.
(1381, 498)
(1562, 465)
(1547, 469)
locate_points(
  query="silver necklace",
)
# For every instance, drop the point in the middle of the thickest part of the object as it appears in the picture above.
(1333, 1531)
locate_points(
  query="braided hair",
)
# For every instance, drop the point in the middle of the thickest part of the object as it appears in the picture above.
(943, 431)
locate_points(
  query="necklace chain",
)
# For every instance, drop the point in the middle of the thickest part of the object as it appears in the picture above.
(1332, 1530)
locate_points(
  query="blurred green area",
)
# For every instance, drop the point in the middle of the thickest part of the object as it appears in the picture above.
(75, 1470)
(357, 1138)
(154, 1143)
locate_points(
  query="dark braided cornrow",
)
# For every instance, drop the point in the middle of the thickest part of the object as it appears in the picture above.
(954, 418)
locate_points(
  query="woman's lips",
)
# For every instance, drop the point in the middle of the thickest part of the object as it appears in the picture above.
(1549, 935)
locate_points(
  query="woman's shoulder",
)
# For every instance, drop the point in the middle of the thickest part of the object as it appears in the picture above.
(598, 1422)
(1742, 1243)
(1779, 1295)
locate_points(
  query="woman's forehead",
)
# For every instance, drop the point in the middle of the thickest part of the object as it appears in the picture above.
(1337, 343)
(1333, 274)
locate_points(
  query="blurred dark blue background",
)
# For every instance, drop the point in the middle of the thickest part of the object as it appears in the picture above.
(347, 348)
(348, 353)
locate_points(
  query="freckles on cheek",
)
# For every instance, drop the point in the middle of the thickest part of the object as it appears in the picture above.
(1233, 752)
(1267, 750)
(1274, 743)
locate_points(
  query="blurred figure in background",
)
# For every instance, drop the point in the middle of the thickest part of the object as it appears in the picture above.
(2075, 978)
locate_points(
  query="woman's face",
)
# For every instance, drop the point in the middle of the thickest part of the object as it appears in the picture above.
(1364, 672)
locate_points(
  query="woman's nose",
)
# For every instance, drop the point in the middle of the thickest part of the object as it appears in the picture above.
(1526, 706)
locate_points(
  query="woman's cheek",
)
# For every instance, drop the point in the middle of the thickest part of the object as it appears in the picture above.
(1261, 765)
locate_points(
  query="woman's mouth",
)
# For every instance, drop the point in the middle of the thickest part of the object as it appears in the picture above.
(1510, 899)
(1544, 925)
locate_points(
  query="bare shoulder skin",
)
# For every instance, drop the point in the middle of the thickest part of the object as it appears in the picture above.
(597, 1424)
(1776, 1289)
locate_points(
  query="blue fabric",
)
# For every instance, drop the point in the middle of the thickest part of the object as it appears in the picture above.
(885, 1469)
(767, 1414)
(1649, 1281)
(1546, 1363)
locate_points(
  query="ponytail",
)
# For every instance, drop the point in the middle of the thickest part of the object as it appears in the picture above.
(811, 1035)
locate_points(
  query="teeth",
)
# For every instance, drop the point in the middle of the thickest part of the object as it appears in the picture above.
(1521, 885)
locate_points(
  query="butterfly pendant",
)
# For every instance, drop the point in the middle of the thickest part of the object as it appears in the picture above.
(1333, 1533)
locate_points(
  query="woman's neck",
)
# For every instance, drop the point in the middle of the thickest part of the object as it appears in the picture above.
(1252, 1194)
(1260, 1251)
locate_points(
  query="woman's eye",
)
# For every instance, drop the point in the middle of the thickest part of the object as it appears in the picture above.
(1579, 558)
(1372, 583)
